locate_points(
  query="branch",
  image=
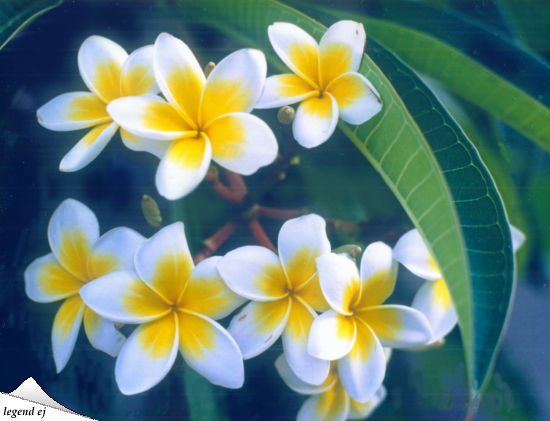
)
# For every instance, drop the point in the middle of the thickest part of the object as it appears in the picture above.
(225, 192)
(260, 235)
(213, 243)
(283, 214)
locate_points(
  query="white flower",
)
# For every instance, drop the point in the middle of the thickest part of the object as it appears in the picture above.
(358, 326)
(175, 304)
(325, 80)
(79, 256)
(203, 119)
(109, 73)
(285, 293)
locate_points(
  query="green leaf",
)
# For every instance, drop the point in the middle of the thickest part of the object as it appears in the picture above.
(530, 20)
(476, 240)
(486, 135)
(482, 219)
(15, 14)
(203, 401)
(465, 77)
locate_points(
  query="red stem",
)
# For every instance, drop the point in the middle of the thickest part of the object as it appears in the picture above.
(284, 214)
(225, 192)
(214, 242)
(236, 184)
(260, 235)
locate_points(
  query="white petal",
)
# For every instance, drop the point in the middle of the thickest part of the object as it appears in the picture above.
(295, 383)
(295, 340)
(100, 62)
(358, 101)
(332, 335)
(339, 281)
(332, 405)
(411, 252)
(315, 120)
(47, 281)
(398, 326)
(114, 251)
(241, 142)
(183, 167)
(73, 111)
(210, 350)
(518, 238)
(283, 90)
(341, 50)
(179, 76)
(206, 292)
(88, 148)
(434, 301)
(254, 272)
(138, 143)
(234, 86)
(257, 326)
(165, 263)
(72, 231)
(363, 369)
(298, 50)
(378, 274)
(301, 241)
(65, 330)
(359, 411)
(147, 356)
(137, 76)
(149, 116)
(102, 333)
(123, 297)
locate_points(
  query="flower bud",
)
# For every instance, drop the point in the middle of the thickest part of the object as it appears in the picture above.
(351, 249)
(208, 68)
(286, 115)
(151, 211)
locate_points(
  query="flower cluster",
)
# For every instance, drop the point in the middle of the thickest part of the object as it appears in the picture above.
(339, 355)
(199, 118)
(121, 277)
(336, 331)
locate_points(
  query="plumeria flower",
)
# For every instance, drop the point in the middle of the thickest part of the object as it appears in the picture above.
(433, 298)
(203, 119)
(357, 326)
(285, 294)
(325, 80)
(79, 255)
(330, 401)
(109, 73)
(175, 304)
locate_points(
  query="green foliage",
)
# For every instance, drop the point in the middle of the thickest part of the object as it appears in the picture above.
(530, 20)
(203, 401)
(465, 77)
(483, 221)
(15, 14)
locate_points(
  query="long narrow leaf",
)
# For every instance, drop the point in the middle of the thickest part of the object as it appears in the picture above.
(530, 20)
(15, 14)
(465, 77)
(483, 220)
